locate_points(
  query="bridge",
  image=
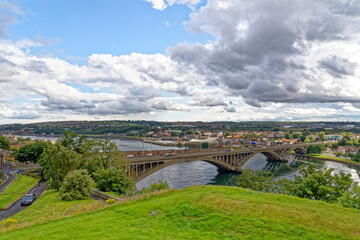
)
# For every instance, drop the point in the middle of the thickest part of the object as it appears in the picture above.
(140, 168)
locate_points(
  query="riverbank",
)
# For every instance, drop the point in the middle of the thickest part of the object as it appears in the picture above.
(332, 159)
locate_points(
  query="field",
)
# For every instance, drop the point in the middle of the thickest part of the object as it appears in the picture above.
(200, 212)
(16, 189)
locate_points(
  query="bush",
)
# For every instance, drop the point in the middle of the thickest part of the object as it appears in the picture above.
(77, 185)
(115, 180)
(351, 198)
(256, 180)
(160, 185)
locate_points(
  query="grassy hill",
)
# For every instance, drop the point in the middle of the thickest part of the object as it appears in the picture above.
(200, 212)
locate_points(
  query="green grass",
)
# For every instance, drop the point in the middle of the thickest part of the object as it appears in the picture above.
(201, 212)
(326, 157)
(50, 206)
(16, 189)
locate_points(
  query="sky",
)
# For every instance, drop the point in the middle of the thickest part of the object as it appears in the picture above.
(179, 60)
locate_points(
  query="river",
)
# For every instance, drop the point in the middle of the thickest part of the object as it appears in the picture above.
(201, 173)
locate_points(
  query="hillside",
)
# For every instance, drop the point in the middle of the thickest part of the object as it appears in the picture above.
(203, 212)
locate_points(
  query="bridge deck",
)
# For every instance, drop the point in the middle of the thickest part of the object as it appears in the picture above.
(210, 154)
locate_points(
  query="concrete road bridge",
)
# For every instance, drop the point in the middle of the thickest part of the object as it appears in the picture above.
(140, 168)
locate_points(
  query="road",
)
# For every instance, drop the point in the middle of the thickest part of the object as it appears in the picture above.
(7, 171)
(38, 190)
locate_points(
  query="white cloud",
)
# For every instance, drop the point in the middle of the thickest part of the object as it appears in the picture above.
(163, 4)
(270, 60)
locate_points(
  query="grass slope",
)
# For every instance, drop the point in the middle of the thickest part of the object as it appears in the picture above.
(16, 189)
(337, 159)
(204, 212)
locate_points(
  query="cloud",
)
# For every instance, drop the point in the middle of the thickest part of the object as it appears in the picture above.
(163, 4)
(8, 15)
(268, 60)
(207, 101)
(277, 51)
(338, 67)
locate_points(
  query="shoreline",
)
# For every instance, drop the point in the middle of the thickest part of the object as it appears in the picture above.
(332, 160)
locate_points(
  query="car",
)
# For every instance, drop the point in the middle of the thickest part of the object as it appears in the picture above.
(173, 154)
(168, 155)
(130, 156)
(228, 150)
(149, 154)
(28, 199)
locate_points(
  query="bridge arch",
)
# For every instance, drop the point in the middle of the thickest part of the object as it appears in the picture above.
(217, 163)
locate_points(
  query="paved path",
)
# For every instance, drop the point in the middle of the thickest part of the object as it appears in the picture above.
(7, 171)
(38, 190)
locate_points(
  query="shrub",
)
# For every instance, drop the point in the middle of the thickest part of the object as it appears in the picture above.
(321, 185)
(160, 185)
(77, 185)
(113, 180)
(351, 198)
(256, 180)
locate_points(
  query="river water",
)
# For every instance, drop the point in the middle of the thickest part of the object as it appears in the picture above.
(201, 173)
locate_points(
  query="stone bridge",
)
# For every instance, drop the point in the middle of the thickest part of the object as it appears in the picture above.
(139, 168)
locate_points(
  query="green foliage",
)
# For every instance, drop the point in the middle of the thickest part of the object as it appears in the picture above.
(77, 185)
(72, 141)
(113, 180)
(31, 152)
(320, 185)
(357, 156)
(256, 180)
(160, 185)
(102, 154)
(310, 183)
(57, 161)
(316, 149)
(288, 136)
(204, 145)
(351, 198)
(4, 143)
(322, 136)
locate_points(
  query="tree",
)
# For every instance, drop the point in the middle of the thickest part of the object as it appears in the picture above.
(288, 136)
(351, 198)
(204, 145)
(31, 152)
(256, 180)
(103, 154)
(74, 142)
(113, 180)
(57, 161)
(77, 185)
(320, 185)
(4, 143)
(322, 136)
(357, 156)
